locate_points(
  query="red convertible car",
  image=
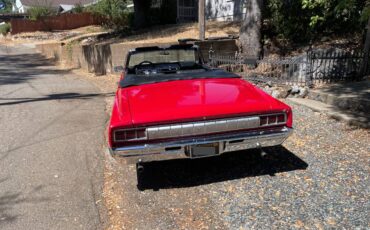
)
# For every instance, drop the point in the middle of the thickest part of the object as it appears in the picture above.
(170, 105)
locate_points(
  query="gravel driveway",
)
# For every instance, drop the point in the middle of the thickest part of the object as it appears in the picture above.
(319, 179)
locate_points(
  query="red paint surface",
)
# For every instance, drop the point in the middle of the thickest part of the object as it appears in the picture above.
(185, 100)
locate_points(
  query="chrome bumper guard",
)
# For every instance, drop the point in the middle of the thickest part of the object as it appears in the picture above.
(182, 148)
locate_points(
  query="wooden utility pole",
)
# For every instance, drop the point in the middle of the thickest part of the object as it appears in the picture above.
(202, 20)
(366, 51)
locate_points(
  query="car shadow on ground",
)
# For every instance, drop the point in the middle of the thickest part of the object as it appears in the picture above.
(229, 166)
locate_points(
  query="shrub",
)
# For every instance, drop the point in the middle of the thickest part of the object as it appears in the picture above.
(288, 20)
(115, 12)
(78, 8)
(36, 12)
(8, 6)
(5, 28)
(304, 20)
(366, 12)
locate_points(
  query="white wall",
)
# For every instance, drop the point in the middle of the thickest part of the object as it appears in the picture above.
(19, 7)
(225, 10)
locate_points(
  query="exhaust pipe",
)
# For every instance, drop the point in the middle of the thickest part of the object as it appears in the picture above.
(262, 152)
(139, 175)
(140, 168)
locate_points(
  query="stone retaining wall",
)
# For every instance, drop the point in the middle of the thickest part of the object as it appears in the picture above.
(101, 58)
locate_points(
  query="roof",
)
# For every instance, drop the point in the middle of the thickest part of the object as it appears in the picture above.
(66, 7)
(55, 3)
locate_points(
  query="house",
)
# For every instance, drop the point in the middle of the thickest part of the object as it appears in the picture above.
(219, 10)
(21, 6)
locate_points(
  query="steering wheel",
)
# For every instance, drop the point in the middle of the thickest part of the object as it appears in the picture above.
(145, 62)
(139, 70)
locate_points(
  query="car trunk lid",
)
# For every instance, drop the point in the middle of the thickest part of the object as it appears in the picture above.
(199, 99)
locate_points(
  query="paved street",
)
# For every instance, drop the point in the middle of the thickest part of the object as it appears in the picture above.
(51, 138)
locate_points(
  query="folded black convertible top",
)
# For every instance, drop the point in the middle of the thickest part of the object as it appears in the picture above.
(134, 80)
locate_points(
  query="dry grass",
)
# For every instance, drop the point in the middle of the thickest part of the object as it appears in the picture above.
(90, 29)
(171, 33)
(155, 34)
(56, 36)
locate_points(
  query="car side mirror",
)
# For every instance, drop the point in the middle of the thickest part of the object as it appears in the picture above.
(118, 69)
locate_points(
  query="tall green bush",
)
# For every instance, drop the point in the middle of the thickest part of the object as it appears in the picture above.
(115, 12)
(8, 6)
(287, 19)
(36, 12)
(165, 14)
(5, 28)
(304, 20)
(78, 8)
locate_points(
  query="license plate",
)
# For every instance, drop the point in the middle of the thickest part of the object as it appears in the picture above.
(205, 150)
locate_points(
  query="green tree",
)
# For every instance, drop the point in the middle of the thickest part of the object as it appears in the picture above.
(78, 8)
(5, 28)
(37, 12)
(338, 12)
(287, 19)
(303, 20)
(365, 14)
(8, 6)
(163, 12)
(141, 11)
(115, 11)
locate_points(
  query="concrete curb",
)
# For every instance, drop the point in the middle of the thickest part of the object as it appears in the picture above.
(346, 102)
(359, 120)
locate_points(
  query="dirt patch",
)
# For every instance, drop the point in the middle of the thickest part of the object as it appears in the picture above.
(171, 33)
(113, 195)
(57, 36)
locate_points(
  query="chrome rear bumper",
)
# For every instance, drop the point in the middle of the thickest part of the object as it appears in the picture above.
(182, 148)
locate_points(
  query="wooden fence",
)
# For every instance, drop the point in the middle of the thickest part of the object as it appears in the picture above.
(59, 22)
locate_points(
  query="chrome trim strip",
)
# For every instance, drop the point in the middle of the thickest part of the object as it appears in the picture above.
(202, 128)
(181, 148)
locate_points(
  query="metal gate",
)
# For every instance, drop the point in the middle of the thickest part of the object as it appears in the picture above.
(187, 10)
(313, 67)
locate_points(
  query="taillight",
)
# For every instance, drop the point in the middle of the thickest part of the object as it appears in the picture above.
(122, 76)
(281, 118)
(129, 135)
(289, 115)
(263, 120)
(274, 119)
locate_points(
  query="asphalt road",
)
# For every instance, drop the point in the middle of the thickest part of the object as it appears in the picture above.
(51, 138)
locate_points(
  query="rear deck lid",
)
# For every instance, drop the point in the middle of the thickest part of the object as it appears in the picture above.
(199, 99)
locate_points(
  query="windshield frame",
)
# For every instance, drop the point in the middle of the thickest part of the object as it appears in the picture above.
(194, 48)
